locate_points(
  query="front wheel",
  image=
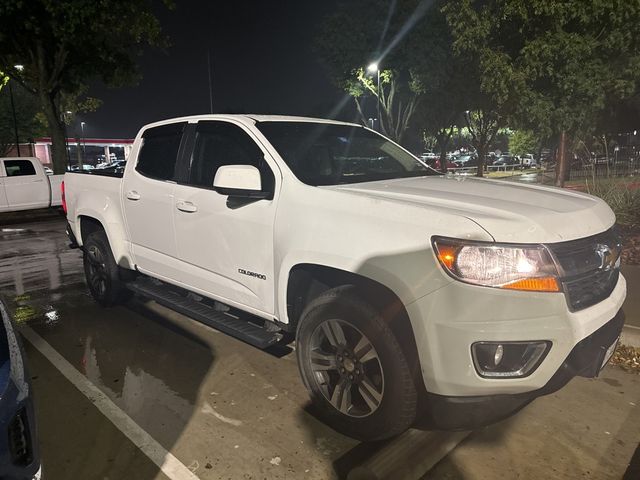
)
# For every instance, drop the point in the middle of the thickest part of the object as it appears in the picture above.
(102, 272)
(354, 368)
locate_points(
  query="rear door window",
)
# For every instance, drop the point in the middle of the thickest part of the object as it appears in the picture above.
(19, 168)
(159, 152)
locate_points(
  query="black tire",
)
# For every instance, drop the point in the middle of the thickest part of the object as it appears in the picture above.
(101, 271)
(380, 388)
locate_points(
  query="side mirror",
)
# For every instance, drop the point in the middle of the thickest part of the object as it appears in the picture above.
(239, 181)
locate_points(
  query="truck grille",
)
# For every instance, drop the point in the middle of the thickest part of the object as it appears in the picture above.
(589, 268)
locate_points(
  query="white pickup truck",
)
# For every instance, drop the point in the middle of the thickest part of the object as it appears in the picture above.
(414, 298)
(24, 185)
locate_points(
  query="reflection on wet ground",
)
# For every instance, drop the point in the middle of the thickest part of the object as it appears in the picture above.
(221, 407)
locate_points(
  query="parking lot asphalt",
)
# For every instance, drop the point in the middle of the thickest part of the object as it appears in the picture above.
(212, 407)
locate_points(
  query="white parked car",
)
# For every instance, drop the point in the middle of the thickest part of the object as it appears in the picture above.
(415, 298)
(429, 157)
(529, 161)
(25, 185)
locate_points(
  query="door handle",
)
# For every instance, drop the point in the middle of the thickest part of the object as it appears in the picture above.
(186, 206)
(133, 195)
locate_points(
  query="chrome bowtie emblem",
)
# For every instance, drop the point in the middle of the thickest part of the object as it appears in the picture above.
(608, 256)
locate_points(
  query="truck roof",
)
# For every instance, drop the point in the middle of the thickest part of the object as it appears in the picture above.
(246, 118)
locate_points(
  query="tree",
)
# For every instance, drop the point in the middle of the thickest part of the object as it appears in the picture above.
(483, 125)
(25, 106)
(63, 44)
(397, 99)
(353, 37)
(553, 65)
(521, 142)
(446, 78)
(494, 89)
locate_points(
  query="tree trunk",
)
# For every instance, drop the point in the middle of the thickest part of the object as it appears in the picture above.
(481, 150)
(443, 139)
(360, 112)
(56, 127)
(561, 164)
(78, 153)
(443, 159)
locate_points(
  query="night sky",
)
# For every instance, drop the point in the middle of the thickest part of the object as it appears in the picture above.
(262, 61)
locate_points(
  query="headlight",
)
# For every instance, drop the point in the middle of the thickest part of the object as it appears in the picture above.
(517, 267)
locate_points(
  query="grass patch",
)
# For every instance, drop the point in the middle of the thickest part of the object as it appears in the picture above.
(622, 196)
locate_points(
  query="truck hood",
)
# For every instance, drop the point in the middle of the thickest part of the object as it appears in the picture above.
(508, 211)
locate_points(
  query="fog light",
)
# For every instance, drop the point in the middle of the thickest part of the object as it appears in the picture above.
(508, 359)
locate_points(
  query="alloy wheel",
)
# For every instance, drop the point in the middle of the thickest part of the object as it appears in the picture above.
(97, 270)
(346, 368)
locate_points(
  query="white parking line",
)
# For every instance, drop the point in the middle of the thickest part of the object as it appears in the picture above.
(168, 464)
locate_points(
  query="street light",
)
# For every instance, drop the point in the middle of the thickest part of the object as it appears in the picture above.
(374, 68)
(13, 110)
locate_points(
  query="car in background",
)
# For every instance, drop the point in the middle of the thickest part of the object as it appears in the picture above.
(19, 453)
(85, 167)
(115, 168)
(429, 157)
(466, 161)
(507, 161)
(103, 160)
(450, 165)
(528, 161)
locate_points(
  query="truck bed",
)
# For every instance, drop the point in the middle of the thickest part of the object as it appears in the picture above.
(87, 193)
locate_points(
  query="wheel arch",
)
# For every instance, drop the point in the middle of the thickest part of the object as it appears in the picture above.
(307, 281)
(89, 224)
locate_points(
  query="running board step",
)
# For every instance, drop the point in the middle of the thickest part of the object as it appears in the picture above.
(239, 328)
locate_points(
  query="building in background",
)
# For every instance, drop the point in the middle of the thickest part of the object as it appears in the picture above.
(93, 151)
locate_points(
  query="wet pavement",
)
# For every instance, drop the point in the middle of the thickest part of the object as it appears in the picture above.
(223, 408)
(227, 410)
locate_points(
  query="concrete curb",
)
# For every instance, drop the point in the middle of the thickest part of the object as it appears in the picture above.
(409, 456)
(630, 336)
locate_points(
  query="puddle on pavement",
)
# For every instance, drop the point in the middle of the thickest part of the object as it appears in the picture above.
(140, 365)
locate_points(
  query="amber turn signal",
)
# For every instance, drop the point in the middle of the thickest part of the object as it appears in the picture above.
(545, 284)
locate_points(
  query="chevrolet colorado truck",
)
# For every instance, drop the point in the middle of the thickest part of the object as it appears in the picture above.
(25, 185)
(415, 298)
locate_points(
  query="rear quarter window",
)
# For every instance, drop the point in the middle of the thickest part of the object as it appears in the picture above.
(19, 168)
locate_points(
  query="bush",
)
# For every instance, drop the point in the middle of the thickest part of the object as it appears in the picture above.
(623, 198)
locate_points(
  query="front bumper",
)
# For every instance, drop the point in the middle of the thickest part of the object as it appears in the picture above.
(448, 321)
(586, 359)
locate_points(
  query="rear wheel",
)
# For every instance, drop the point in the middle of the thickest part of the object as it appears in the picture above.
(101, 271)
(354, 368)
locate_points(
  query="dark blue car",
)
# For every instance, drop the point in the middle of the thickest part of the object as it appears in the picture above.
(19, 457)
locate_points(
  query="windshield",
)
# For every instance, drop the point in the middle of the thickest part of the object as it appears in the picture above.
(329, 154)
